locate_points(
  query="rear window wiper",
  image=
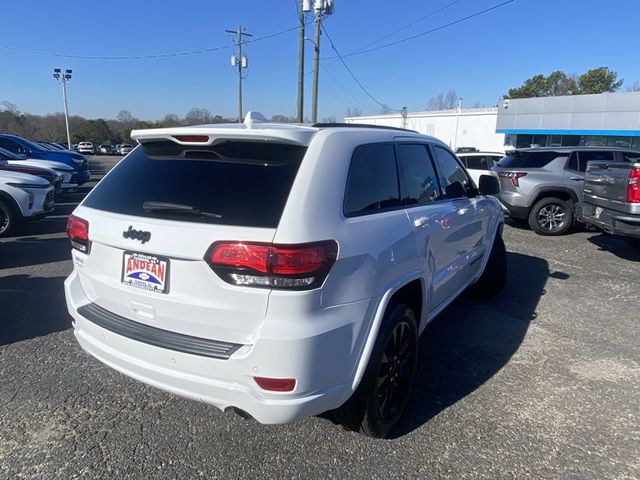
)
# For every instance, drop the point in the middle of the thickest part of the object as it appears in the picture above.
(177, 208)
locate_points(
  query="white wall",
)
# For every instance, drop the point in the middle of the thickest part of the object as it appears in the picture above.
(475, 127)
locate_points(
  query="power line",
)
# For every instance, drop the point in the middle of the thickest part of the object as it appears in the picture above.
(356, 99)
(411, 24)
(203, 51)
(427, 32)
(352, 74)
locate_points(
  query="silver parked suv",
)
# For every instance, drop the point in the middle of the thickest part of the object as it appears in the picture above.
(543, 185)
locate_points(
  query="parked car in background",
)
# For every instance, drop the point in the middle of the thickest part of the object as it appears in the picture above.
(54, 178)
(124, 148)
(106, 149)
(543, 185)
(286, 278)
(479, 163)
(23, 197)
(612, 195)
(21, 146)
(61, 169)
(86, 148)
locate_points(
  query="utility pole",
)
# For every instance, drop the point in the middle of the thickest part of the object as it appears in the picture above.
(240, 61)
(404, 114)
(303, 8)
(320, 7)
(458, 122)
(63, 78)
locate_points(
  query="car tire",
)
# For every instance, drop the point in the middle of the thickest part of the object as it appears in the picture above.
(7, 218)
(494, 276)
(551, 217)
(381, 398)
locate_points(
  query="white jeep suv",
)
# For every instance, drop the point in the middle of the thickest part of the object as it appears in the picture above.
(279, 271)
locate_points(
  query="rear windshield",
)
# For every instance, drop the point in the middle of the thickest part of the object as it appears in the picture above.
(529, 159)
(233, 182)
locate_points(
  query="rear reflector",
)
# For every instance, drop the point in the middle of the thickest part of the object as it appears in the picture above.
(192, 138)
(266, 265)
(276, 384)
(78, 233)
(633, 189)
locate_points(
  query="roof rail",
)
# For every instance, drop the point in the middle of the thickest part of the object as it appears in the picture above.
(359, 125)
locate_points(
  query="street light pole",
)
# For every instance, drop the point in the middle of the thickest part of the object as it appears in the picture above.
(64, 78)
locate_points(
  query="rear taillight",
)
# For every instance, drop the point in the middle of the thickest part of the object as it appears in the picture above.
(78, 233)
(296, 267)
(633, 189)
(513, 176)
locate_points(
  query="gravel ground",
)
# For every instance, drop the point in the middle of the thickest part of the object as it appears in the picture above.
(539, 382)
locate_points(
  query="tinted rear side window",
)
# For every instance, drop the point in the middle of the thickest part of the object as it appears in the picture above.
(477, 162)
(633, 157)
(529, 159)
(450, 169)
(419, 181)
(246, 183)
(372, 184)
(585, 157)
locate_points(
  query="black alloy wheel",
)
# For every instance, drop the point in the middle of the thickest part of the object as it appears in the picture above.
(395, 375)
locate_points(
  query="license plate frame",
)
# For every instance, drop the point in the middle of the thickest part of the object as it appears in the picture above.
(151, 273)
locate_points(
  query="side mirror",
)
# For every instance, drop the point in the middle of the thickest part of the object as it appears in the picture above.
(454, 190)
(488, 185)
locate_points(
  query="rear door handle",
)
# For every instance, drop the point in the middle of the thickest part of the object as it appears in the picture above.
(577, 179)
(420, 222)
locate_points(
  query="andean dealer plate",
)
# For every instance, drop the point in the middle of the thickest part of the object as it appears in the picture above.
(147, 272)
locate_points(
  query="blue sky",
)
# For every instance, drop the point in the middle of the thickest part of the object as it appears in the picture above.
(480, 58)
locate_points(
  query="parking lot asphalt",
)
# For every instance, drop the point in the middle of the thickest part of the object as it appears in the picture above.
(540, 382)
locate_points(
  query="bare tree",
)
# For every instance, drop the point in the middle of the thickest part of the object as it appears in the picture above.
(353, 112)
(198, 116)
(451, 100)
(330, 119)
(635, 87)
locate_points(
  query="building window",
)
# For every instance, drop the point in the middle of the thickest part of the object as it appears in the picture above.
(593, 141)
(524, 141)
(570, 140)
(555, 140)
(624, 142)
(539, 140)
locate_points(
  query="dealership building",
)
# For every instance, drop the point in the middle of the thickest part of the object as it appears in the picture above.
(607, 119)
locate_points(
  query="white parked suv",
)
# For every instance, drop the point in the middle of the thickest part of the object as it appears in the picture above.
(279, 271)
(23, 197)
(479, 163)
(86, 148)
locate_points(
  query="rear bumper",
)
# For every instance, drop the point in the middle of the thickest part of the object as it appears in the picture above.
(515, 211)
(610, 221)
(322, 362)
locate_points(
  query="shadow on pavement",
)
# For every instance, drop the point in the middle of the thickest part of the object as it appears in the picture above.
(26, 251)
(625, 248)
(31, 307)
(473, 339)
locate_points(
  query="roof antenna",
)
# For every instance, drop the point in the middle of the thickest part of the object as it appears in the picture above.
(254, 117)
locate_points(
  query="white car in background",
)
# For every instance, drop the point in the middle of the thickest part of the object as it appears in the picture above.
(86, 148)
(23, 197)
(479, 163)
(124, 149)
(60, 168)
(280, 271)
